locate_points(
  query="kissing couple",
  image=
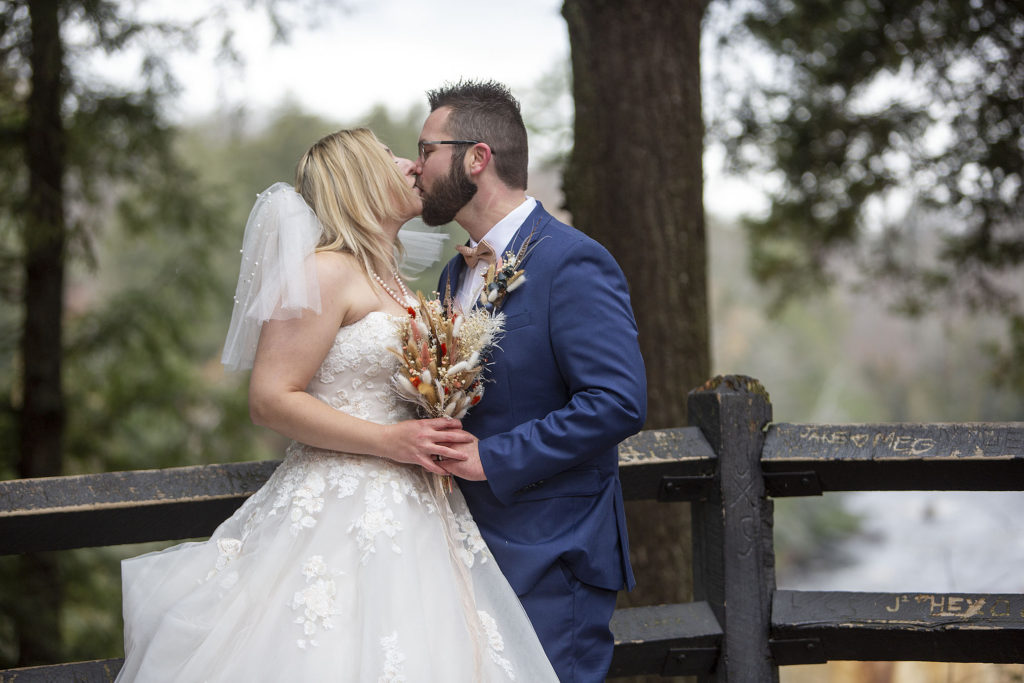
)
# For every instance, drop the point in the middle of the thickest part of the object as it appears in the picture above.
(351, 563)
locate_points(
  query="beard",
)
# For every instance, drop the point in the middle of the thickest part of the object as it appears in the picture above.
(448, 196)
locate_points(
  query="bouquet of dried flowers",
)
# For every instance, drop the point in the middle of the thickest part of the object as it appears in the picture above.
(442, 356)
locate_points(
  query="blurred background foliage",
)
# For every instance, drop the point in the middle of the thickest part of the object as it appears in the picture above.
(157, 213)
(882, 121)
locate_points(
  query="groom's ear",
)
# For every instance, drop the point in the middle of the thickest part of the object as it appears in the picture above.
(478, 158)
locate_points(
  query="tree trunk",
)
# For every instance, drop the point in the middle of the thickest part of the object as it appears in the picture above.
(634, 182)
(41, 419)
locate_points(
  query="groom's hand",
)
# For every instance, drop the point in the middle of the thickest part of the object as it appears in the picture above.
(471, 468)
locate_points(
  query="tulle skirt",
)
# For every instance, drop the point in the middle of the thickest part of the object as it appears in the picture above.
(340, 568)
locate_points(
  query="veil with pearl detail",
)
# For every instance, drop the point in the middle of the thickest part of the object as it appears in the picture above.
(277, 277)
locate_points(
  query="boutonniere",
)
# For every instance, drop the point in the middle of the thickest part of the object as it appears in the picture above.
(505, 275)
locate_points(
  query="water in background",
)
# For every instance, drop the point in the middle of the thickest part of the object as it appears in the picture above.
(943, 542)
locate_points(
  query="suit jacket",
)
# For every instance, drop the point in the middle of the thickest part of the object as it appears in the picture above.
(565, 386)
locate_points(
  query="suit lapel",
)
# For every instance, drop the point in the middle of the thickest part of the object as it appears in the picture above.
(453, 274)
(534, 224)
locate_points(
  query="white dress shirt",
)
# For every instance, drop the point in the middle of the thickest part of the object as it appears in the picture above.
(499, 237)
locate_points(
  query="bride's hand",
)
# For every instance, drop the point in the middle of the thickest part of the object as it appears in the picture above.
(417, 442)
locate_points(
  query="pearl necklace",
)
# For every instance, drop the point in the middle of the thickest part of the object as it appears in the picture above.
(391, 292)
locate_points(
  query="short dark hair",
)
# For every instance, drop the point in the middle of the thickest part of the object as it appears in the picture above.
(487, 111)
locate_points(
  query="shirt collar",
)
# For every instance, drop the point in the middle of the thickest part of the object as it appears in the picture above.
(500, 236)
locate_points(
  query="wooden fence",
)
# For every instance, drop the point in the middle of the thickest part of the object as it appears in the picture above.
(729, 466)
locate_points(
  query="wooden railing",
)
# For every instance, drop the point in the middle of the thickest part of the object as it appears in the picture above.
(729, 466)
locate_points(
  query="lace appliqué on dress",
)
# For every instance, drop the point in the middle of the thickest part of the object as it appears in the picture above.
(376, 519)
(394, 669)
(469, 543)
(495, 643)
(355, 376)
(227, 550)
(307, 501)
(309, 475)
(316, 601)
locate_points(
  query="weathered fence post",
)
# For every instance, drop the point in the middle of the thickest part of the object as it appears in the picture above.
(734, 565)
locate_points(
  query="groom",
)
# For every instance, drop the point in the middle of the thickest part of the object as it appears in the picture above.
(567, 383)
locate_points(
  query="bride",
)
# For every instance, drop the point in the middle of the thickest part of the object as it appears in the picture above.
(351, 563)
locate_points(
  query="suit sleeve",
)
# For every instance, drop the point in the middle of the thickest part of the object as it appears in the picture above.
(594, 341)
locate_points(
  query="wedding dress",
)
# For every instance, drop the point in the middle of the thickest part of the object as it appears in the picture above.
(340, 568)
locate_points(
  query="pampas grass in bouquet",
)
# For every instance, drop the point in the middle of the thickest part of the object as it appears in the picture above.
(443, 356)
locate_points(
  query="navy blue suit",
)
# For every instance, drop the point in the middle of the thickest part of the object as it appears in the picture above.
(565, 387)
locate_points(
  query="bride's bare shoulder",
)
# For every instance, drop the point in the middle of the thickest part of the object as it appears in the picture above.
(337, 268)
(344, 287)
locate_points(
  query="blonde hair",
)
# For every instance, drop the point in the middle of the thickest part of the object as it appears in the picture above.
(353, 186)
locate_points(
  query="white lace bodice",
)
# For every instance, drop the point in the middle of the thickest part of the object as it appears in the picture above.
(355, 377)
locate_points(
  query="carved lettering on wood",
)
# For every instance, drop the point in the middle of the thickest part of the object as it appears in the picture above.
(957, 606)
(958, 442)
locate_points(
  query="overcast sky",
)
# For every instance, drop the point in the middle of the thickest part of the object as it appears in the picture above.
(378, 51)
(339, 63)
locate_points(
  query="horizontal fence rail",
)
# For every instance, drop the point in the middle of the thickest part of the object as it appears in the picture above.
(89, 510)
(806, 459)
(665, 640)
(814, 627)
(96, 671)
(729, 466)
(112, 508)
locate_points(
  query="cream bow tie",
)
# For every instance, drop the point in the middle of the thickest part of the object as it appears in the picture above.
(473, 255)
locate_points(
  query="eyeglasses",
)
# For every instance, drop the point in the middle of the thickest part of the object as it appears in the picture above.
(423, 143)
